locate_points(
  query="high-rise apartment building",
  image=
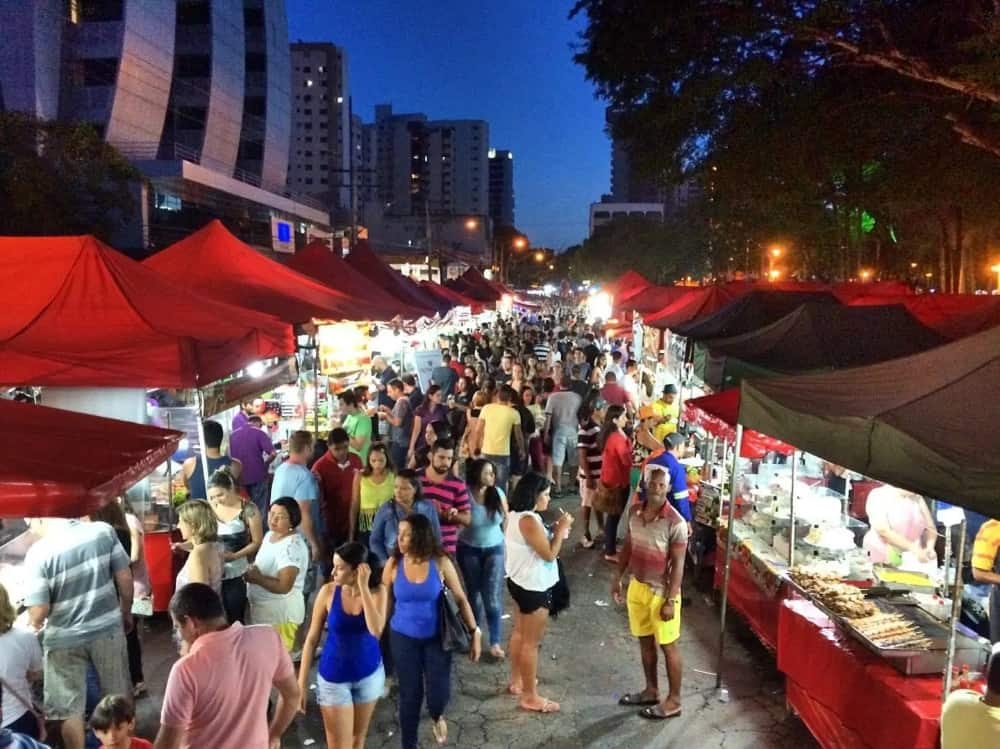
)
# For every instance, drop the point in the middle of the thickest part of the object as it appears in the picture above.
(431, 166)
(319, 162)
(195, 92)
(501, 187)
(626, 184)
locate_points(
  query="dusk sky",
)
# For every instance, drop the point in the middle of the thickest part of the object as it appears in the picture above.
(505, 61)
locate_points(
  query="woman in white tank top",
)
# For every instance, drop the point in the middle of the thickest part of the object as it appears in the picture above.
(532, 573)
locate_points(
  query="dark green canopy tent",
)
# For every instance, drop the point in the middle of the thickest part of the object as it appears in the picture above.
(816, 337)
(929, 422)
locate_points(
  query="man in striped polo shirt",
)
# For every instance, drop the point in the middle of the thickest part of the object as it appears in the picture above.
(78, 581)
(655, 545)
(449, 494)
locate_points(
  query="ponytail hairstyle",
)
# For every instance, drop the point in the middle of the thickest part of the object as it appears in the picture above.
(355, 554)
(223, 479)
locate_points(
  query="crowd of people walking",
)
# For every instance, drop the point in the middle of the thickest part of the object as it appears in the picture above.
(414, 513)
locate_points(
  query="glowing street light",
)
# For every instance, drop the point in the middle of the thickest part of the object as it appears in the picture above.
(520, 243)
(776, 252)
(866, 275)
(539, 256)
(472, 224)
(996, 269)
(774, 274)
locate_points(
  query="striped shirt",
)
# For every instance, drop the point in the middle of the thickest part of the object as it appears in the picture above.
(586, 439)
(651, 544)
(72, 570)
(451, 492)
(542, 351)
(986, 546)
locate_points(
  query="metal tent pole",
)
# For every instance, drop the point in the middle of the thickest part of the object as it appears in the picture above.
(171, 515)
(200, 401)
(791, 513)
(723, 694)
(956, 608)
(315, 344)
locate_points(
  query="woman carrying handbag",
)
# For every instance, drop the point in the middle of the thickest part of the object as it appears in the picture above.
(417, 574)
(616, 469)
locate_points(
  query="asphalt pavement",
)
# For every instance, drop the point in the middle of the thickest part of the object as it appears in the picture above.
(588, 660)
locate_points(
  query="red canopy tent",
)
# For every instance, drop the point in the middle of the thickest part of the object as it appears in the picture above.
(654, 298)
(319, 262)
(627, 282)
(98, 458)
(214, 262)
(364, 260)
(472, 283)
(451, 297)
(718, 413)
(845, 292)
(952, 315)
(83, 315)
(700, 303)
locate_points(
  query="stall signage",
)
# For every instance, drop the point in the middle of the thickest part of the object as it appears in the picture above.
(220, 396)
(344, 348)
(426, 360)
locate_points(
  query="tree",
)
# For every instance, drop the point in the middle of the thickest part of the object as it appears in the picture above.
(795, 140)
(61, 178)
(663, 252)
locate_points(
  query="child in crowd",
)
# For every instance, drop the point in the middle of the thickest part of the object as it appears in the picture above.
(113, 720)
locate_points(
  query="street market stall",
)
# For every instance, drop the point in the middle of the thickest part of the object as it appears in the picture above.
(364, 260)
(99, 460)
(924, 424)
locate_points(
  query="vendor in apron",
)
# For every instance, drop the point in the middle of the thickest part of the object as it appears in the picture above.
(900, 522)
(986, 569)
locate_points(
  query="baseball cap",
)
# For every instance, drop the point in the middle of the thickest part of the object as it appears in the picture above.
(646, 412)
(670, 390)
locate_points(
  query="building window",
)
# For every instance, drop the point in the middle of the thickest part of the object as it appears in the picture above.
(253, 18)
(309, 180)
(321, 68)
(324, 168)
(100, 71)
(189, 118)
(309, 139)
(324, 181)
(308, 111)
(256, 62)
(194, 14)
(251, 151)
(255, 105)
(324, 139)
(194, 66)
(322, 111)
(308, 153)
(102, 10)
(309, 83)
(306, 97)
(306, 69)
(309, 167)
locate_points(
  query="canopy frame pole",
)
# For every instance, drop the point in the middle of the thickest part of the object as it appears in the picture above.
(956, 608)
(791, 513)
(200, 401)
(315, 345)
(723, 694)
(171, 514)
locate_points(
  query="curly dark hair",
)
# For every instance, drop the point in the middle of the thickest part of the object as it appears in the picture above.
(424, 544)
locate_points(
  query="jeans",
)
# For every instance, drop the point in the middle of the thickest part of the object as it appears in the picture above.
(420, 664)
(611, 532)
(260, 495)
(502, 465)
(234, 599)
(483, 572)
(134, 654)
(397, 454)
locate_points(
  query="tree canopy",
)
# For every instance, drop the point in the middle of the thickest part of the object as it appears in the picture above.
(61, 178)
(856, 132)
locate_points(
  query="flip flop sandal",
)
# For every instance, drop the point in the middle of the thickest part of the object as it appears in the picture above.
(548, 707)
(637, 700)
(656, 713)
(586, 543)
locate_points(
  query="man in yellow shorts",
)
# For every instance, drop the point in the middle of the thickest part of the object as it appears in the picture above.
(655, 545)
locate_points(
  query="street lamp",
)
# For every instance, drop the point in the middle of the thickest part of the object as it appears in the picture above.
(539, 256)
(520, 243)
(774, 274)
(866, 275)
(472, 224)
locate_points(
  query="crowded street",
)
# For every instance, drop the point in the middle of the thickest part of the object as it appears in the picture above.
(506, 374)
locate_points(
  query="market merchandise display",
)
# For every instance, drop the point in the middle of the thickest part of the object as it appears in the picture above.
(840, 598)
(892, 631)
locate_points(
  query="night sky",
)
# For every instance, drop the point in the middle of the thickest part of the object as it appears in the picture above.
(504, 61)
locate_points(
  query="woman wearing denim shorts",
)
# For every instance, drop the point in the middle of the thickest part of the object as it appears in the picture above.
(350, 677)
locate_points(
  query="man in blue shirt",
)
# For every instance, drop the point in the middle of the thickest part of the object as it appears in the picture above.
(293, 479)
(669, 460)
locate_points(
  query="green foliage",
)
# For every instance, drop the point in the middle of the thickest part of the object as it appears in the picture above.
(662, 252)
(840, 128)
(61, 178)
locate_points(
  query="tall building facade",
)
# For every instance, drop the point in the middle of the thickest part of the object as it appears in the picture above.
(627, 186)
(321, 149)
(430, 166)
(195, 92)
(501, 187)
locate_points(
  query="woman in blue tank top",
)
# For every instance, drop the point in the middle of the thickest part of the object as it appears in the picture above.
(416, 572)
(350, 673)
